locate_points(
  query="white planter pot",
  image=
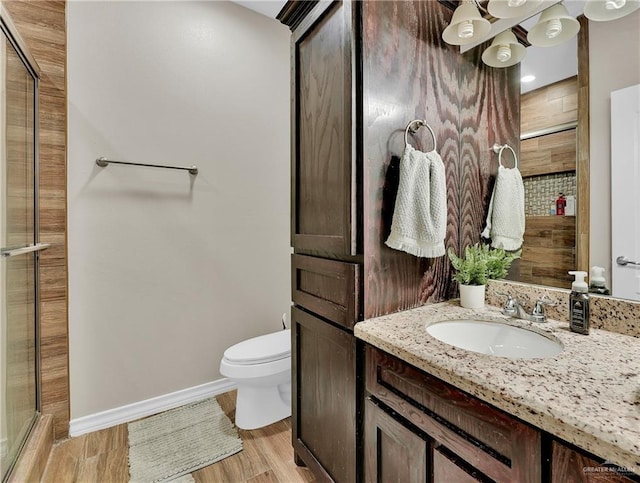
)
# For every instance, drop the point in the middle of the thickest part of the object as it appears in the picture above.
(472, 296)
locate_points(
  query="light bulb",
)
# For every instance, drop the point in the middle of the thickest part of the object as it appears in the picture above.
(516, 3)
(504, 53)
(614, 4)
(554, 28)
(465, 29)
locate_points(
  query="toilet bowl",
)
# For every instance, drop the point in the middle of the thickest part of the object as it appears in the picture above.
(261, 369)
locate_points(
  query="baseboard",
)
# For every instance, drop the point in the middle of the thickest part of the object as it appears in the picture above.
(131, 412)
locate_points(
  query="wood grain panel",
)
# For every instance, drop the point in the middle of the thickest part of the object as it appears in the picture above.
(324, 389)
(489, 113)
(553, 153)
(323, 182)
(495, 443)
(408, 73)
(392, 452)
(568, 465)
(549, 106)
(549, 250)
(33, 461)
(583, 153)
(327, 287)
(42, 26)
(446, 470)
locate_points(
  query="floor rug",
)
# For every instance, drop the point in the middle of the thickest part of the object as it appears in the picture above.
(180, 441)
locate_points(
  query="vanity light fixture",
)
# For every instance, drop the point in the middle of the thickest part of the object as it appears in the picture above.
(603, 10)
(504, 51)
(511, 8)
(466, 25)
(554, 27)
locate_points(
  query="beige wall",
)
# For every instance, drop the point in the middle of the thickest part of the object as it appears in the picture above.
(614, 63)
(168, 270)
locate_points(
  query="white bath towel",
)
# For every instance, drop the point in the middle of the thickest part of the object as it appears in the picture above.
(420, 215)
(505, 219)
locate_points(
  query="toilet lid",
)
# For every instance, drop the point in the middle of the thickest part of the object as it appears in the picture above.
(259, 350)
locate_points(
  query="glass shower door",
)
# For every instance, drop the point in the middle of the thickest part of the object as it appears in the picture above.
(19, 254)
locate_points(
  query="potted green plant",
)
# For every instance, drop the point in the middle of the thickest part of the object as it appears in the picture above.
(479, 264)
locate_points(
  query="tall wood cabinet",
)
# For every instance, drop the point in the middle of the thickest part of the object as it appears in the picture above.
(325, 237)
(360, 72)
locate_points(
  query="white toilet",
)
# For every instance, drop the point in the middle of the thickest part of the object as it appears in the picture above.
(261, 368)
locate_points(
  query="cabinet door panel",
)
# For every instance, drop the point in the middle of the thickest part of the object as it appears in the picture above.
(571, 466)
(392, 452)
(323, 172)
(324, 397)
(490, 440)
(327, 287)
(445, 470)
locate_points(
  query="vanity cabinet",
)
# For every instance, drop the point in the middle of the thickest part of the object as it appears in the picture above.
(418, 428)
(570, 465)
(440, 432)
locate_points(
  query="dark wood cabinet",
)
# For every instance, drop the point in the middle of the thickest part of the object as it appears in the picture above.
(570, 465)
(469, 440)
(360, 72)
(323, 170)
(324, 397)
(419, 428)
(393, 452)
(325, 184)
(328, 288)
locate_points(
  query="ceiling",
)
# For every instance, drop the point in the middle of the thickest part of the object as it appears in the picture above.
(270, 8)
(547, 64)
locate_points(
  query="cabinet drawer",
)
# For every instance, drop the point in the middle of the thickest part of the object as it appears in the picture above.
(498, 445)
(327, 287)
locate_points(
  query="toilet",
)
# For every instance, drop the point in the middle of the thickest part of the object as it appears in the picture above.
(261, 369)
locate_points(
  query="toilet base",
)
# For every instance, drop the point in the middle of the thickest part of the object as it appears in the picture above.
(258, 406)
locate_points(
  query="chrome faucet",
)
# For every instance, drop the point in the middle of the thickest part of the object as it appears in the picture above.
(513, 308)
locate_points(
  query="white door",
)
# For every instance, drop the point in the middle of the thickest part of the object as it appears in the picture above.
(625, 192)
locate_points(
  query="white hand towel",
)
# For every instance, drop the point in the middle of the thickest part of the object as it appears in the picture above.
(420, 215)
(505, 219)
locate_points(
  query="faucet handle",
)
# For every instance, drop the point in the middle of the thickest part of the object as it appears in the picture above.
(509, 305)
(538, 315)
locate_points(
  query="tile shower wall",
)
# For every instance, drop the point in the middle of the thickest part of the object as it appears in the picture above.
(540, 192)
(42, 26)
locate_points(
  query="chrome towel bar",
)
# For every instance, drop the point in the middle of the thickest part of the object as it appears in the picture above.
(103, 162)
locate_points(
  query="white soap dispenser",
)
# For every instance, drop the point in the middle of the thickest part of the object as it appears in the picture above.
(597, 283)
(579, 304)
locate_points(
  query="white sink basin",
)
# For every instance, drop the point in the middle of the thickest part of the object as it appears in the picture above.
(495, 338)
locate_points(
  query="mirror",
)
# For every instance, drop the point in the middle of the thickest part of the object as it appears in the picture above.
(612, 52)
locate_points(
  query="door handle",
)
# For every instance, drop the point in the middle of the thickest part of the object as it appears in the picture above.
(623, 261)
(21, 251)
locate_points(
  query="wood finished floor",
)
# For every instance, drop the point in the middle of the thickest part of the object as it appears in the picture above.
(101, 457)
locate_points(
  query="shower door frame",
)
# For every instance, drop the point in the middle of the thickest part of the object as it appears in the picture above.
(13, 37)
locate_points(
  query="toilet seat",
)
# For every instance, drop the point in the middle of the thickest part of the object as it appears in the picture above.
(260, 350)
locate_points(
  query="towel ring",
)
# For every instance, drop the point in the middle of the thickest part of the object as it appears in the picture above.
(498, 150)
(419, 123)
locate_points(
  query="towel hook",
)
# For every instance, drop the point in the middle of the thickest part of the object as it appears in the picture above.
(419, 123)
(498, 150)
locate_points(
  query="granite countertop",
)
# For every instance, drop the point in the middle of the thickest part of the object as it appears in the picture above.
(588, 395)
